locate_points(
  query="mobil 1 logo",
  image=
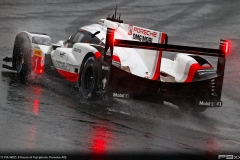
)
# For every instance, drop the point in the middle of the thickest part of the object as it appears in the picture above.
(120, 95)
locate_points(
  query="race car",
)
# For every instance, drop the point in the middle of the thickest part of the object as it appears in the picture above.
(124, 61)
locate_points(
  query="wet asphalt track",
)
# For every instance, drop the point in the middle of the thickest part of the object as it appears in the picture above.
(50, 117)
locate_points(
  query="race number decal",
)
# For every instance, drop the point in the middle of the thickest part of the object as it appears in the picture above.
(38, 61)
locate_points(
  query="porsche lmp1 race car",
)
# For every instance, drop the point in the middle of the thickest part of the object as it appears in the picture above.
(124, 61)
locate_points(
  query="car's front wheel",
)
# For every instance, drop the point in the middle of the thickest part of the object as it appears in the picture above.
(88, 78)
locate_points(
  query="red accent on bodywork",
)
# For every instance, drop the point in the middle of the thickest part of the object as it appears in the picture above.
(71, 77)
(97, 55)
(157, 70)
(116, 58)
(193, 69)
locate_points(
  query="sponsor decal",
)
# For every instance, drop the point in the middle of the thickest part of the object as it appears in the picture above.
(62, 65)
(120, 95)
(65, 66)
(210, 104)
(62, 54)
(130, 28)
(105, 68)
(145, 32)
(202, 72)
(142, 38)
(37, 52)
(77, 50)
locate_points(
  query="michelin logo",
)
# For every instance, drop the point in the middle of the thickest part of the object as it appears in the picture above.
(120, 95)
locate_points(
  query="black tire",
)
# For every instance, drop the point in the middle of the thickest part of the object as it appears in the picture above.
(22, 57)
(89, 78)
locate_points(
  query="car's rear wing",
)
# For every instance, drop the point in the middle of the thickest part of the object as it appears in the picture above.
(220, 53)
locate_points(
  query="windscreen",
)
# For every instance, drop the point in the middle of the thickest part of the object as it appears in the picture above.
(41, 40)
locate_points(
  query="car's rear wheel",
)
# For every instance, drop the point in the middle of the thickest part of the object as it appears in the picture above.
(22, 57)
(88, 78)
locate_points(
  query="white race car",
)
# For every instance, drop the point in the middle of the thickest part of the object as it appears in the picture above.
(124, 61)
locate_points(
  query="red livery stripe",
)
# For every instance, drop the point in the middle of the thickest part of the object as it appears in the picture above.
(71, 77)
(157, 69)
(193, 69)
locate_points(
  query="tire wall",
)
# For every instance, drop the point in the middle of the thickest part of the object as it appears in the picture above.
(22, 51)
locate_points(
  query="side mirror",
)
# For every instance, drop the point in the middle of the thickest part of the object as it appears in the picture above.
(95, 34)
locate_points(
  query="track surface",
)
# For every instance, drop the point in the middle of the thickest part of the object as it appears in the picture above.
(51, 117)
